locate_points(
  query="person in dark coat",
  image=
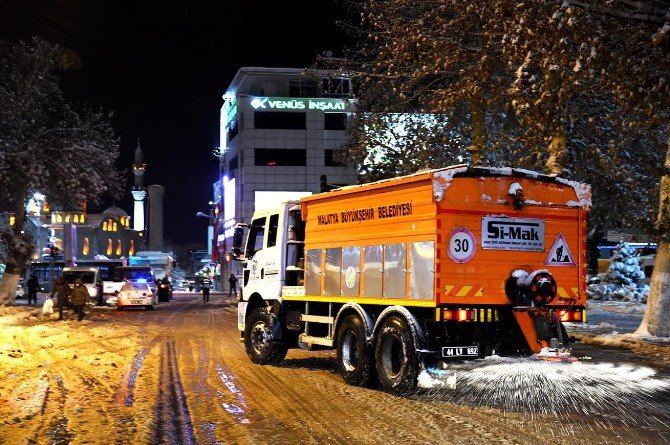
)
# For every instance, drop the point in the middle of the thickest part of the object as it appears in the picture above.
(80, 296)
(232, 281)
(62, 290)
(205, 285)
(33, 285)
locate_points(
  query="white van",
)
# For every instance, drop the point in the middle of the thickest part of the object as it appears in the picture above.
(90, 276)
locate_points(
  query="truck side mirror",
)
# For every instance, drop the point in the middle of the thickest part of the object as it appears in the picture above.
(237, 240)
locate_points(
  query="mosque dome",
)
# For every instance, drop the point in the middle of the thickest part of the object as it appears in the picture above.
(114, 211)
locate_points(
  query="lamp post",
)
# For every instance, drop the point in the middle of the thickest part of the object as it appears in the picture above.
(210, 229)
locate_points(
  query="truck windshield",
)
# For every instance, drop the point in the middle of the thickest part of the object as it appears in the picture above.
(86, 277)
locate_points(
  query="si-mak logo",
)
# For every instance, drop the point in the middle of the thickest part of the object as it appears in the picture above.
(512, 233)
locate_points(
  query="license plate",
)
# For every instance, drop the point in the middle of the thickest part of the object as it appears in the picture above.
(460, 351)
(136, 301)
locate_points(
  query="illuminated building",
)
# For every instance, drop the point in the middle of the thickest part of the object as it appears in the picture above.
(279, 130)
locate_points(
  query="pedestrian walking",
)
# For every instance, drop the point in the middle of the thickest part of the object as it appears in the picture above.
(205, 285)
(80, 297)
(233, 285)
(32, 285)
(62, 290)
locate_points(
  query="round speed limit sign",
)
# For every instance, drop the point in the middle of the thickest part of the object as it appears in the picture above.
(462, 245)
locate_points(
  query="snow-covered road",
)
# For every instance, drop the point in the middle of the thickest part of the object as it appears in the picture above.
(178, 375)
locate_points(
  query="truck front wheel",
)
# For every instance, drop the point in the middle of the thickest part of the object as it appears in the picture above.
(258, 341)
(395, 357)
(354, 358)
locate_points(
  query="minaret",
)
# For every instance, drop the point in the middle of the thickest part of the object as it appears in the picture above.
(139, 194)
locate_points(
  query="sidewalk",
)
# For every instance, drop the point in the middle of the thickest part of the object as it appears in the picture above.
(613, 323)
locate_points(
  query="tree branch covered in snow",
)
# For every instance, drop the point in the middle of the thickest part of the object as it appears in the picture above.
(46, 145)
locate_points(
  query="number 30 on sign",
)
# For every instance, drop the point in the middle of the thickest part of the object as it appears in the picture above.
(462, 245)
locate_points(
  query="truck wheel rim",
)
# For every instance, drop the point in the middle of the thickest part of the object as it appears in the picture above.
(349, 351)
(260, 337)
(392, 356)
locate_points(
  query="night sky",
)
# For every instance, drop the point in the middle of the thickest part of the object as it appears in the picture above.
(162, 67)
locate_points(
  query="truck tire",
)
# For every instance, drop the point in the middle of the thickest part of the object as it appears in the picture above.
(354, 356)
(258, 341)
(395, 357)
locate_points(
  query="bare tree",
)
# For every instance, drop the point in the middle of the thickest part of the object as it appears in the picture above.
(45, 146)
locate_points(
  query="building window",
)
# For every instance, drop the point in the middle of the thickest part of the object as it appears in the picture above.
(118, 247)
(280, 156)
(109, 246)
(336, 87)
(335, 121)
(233, 164)
(131, 249)
(87, 246)
(277, 120)
(104, 226)
(302, 88)
(232, 131)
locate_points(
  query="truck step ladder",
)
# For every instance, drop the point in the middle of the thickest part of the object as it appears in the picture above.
(328, 320)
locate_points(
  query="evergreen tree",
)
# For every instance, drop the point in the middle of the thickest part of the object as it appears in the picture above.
(624, 279)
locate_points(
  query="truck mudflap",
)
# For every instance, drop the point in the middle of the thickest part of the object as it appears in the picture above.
(541, 329)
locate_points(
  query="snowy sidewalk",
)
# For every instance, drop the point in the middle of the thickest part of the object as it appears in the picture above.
(613, 323)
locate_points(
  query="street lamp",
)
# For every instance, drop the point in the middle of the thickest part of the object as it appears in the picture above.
(210, 228)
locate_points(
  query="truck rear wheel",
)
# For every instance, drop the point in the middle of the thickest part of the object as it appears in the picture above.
(258, 341)
(395, 357)
(354, 357)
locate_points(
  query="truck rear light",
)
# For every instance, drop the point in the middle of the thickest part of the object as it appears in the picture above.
(458, 314)
(576, 315)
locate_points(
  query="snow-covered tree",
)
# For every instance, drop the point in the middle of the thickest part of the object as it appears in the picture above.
(513, 83)
(45, 146)
(624, 279)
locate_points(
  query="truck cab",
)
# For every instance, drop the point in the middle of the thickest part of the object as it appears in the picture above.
(272, 257)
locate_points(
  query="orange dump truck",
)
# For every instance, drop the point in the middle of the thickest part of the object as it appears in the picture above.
(402, 273)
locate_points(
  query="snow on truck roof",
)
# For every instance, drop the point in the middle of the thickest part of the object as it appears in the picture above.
(442, 178)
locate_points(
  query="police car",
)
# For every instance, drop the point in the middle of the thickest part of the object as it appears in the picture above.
(133, 294)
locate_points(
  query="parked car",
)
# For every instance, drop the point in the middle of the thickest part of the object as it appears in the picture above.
(134, 294)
